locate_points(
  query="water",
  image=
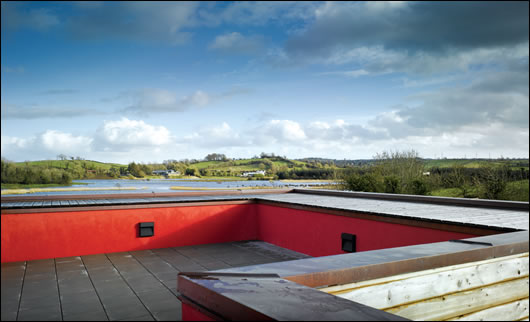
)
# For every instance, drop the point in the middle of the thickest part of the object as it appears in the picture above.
(164, 185)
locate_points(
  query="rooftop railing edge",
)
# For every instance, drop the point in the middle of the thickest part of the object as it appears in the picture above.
(465, 202)
(219, 290)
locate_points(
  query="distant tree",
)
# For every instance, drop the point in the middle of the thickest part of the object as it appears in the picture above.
(493, 182)
(459, 179)
(264, 155)
(114, 172)
(392, 184)
(216, 157)
(361, 182)
(135, 170)
(405, 165)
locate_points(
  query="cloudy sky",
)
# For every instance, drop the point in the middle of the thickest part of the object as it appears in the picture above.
(135, 81)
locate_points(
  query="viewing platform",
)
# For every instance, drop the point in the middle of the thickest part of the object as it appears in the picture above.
(299, 254)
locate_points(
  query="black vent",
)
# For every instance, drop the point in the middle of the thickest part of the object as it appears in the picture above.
(349, 243)
(146, 229)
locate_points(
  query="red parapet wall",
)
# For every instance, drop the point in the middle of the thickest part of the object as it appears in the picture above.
(33, 236)
(191, 314)
(319, 234)
(43, 235)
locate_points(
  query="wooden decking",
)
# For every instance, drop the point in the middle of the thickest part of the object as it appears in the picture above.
(492, 290)
(135, 285)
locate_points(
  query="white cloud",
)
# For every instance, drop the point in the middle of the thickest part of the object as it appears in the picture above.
(216, 136)
(146, 21)
(155, 100)
(199, 98)
(125, 134)
(11, 142)
(45, 145)
(349, 73)
(160, 100)
(12, 111)
(416, 38)
(257, 13)
(236, 43)
(59, 141)
(284, 130)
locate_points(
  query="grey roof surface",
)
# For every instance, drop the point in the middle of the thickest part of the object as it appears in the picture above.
(136, 285)
(512, 219)
(454, 210)
(120, 201)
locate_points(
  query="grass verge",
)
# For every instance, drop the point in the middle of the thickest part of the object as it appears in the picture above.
(34, 190)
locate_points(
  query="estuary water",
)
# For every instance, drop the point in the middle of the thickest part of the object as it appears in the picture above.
(164, 185)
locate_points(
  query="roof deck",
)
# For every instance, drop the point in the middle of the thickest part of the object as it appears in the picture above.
(238, 255)
(136, 285)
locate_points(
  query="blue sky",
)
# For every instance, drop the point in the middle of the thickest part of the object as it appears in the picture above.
(149, 81)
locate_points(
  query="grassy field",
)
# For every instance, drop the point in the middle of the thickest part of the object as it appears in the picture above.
(515, 191)
(42, 185)
(236, 166)
(475, 163)
(33, 190)
(63, 164)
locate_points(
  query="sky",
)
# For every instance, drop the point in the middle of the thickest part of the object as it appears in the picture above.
(152, 81)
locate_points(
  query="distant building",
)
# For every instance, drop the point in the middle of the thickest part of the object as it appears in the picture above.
(253, 173)
(166, 172)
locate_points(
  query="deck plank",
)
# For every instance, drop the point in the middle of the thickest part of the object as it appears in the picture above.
(40, 293)
(154, 295)
(119, 300)
(78, 295)
(136, 285)
(12, 280)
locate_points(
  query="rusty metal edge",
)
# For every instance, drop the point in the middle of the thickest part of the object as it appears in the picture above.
(368, 272)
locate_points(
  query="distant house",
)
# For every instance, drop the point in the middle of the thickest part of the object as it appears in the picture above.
(253, 173)
(166, 173)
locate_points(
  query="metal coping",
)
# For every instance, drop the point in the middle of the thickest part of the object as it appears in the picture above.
(236, 294)
(240, 194)
(481, 203)
(40, 204)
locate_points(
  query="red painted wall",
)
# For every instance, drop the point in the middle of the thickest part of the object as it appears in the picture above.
(62, 234)
(191, 314)
(319, 234)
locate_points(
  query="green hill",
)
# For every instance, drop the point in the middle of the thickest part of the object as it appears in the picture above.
(237, 167)
(475, 163)
(65, 164)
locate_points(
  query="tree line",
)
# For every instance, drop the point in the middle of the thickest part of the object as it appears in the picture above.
(12, 173)
(403, 172)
